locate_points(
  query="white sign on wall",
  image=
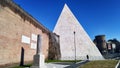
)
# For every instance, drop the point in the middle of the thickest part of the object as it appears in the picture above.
(25, 39)
(34, 37)
(33, 45)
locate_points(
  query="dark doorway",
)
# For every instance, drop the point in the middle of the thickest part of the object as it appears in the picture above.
(22, 57)
(87, 57)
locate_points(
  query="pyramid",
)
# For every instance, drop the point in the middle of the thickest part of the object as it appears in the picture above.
(74, 41)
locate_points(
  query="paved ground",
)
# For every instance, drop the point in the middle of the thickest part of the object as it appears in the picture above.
(66, 64)
(118, 64)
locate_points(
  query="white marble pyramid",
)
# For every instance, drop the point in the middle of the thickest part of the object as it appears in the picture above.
(66, 25)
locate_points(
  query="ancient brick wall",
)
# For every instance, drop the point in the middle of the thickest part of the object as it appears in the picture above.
(54, 47)
(17, 35)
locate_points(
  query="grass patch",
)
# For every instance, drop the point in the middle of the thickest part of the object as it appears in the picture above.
(101, 64)
(48, 61)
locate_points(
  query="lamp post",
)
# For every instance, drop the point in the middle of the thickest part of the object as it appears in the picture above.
(75, 46)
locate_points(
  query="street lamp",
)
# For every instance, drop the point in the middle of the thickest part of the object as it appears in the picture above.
(75, 46)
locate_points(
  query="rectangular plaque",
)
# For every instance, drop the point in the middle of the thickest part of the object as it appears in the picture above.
(25, 39)
(34, 37)
(33, 45)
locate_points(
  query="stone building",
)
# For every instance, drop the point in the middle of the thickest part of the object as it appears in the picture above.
(111, 47)
(54, 47)
(100, 42)
(18, 34)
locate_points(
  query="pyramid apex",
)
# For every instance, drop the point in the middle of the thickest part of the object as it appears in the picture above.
(65, 6)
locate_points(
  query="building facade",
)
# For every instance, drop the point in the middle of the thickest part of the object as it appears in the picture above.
(100, 42)
(18, 35)
(54, 47)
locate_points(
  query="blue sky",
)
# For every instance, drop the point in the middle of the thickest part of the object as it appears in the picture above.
(96, 16)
